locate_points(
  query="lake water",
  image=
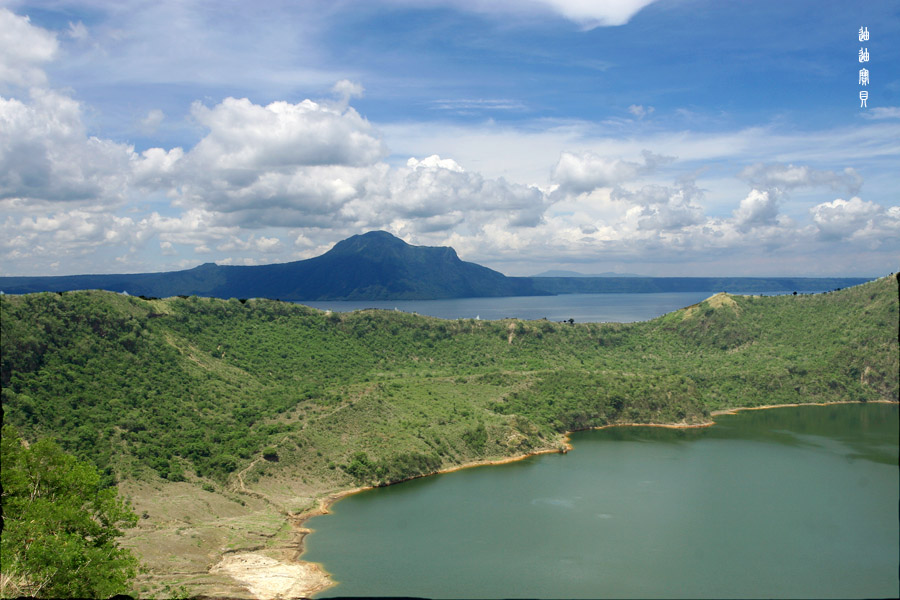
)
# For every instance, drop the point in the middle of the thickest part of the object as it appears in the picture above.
(788, 502)
(584, 308)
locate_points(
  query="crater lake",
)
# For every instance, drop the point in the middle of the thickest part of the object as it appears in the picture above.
(788, 502)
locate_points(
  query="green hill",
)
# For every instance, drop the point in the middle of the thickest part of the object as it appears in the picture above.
(256, 409)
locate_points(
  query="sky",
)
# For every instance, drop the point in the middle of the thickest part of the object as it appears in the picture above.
(657, 137)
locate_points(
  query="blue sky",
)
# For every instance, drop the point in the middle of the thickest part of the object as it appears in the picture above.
(667, 137)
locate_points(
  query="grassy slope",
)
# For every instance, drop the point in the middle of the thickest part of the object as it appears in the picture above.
(180, 399)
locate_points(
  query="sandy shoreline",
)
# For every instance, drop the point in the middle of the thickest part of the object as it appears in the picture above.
(732, 411)
(322, 579)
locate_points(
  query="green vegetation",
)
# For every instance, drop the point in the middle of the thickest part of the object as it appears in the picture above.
(194, 387)
(284, 401)
(60, 526)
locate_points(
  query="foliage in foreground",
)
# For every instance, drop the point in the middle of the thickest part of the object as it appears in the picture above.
(59, 525)
(188, 388)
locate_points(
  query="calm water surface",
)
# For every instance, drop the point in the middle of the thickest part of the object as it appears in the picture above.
(584, 308)
(789, 502)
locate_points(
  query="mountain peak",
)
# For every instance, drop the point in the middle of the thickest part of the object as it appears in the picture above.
(374, 265)
(375, 244)
(367, 242)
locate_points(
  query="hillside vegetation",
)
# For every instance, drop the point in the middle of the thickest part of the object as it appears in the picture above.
(273, 403)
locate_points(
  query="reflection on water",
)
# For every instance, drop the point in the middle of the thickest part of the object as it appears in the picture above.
(789, 502)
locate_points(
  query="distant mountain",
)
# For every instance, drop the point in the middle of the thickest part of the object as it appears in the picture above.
(653, 285)
(371, 266)
(379, 266)
(558, 273)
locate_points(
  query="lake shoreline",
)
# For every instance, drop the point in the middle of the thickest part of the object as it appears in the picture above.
(325, 502)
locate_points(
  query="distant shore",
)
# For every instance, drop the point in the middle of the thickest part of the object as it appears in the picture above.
(325, 502)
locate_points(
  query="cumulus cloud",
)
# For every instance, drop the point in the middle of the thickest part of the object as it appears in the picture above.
(855, 219)
(435, 194)
(263, 244)
(759, 207)
(46, 154)
(663, 208)
(282, 164)
(579, 172)
(194, 228)
(243, 135)
(310, 165)
(313, 172)
(434, 162)
(782, 177)
(23, 48)
(345, 90)
(40, 242)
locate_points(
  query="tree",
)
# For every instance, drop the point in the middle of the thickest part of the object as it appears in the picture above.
(60, 525)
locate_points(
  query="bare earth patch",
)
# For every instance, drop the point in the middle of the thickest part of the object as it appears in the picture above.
(270, 579)
(721, 300)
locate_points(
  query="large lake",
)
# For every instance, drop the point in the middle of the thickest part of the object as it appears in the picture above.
(788, 502)
(583, 308)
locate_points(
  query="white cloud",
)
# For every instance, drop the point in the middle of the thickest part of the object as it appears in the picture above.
(435, 194)
(309, 165)
(585, 171)
(640, 111)
(434, 162)
(587, 13)
(470, 106)
(151, 122)
(46, 154)
(590, 13)
(78, 31)
(526, 154)
(883, 112)
(170, 41)
(759, 207)
(23, 47)
(345, 90)
(318, 171)
(661, 208)
(194, 227)
(243, 135)
(855, 218)
(158, 169)
(73, 235)
(267, 245)
(283, 164)
(785, 177)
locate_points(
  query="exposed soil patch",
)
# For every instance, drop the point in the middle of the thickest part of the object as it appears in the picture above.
(269, 579)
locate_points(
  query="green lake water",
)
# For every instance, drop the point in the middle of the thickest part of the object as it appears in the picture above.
(788, 502)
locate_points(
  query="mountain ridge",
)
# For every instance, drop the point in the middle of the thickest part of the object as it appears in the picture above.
(379, 266)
